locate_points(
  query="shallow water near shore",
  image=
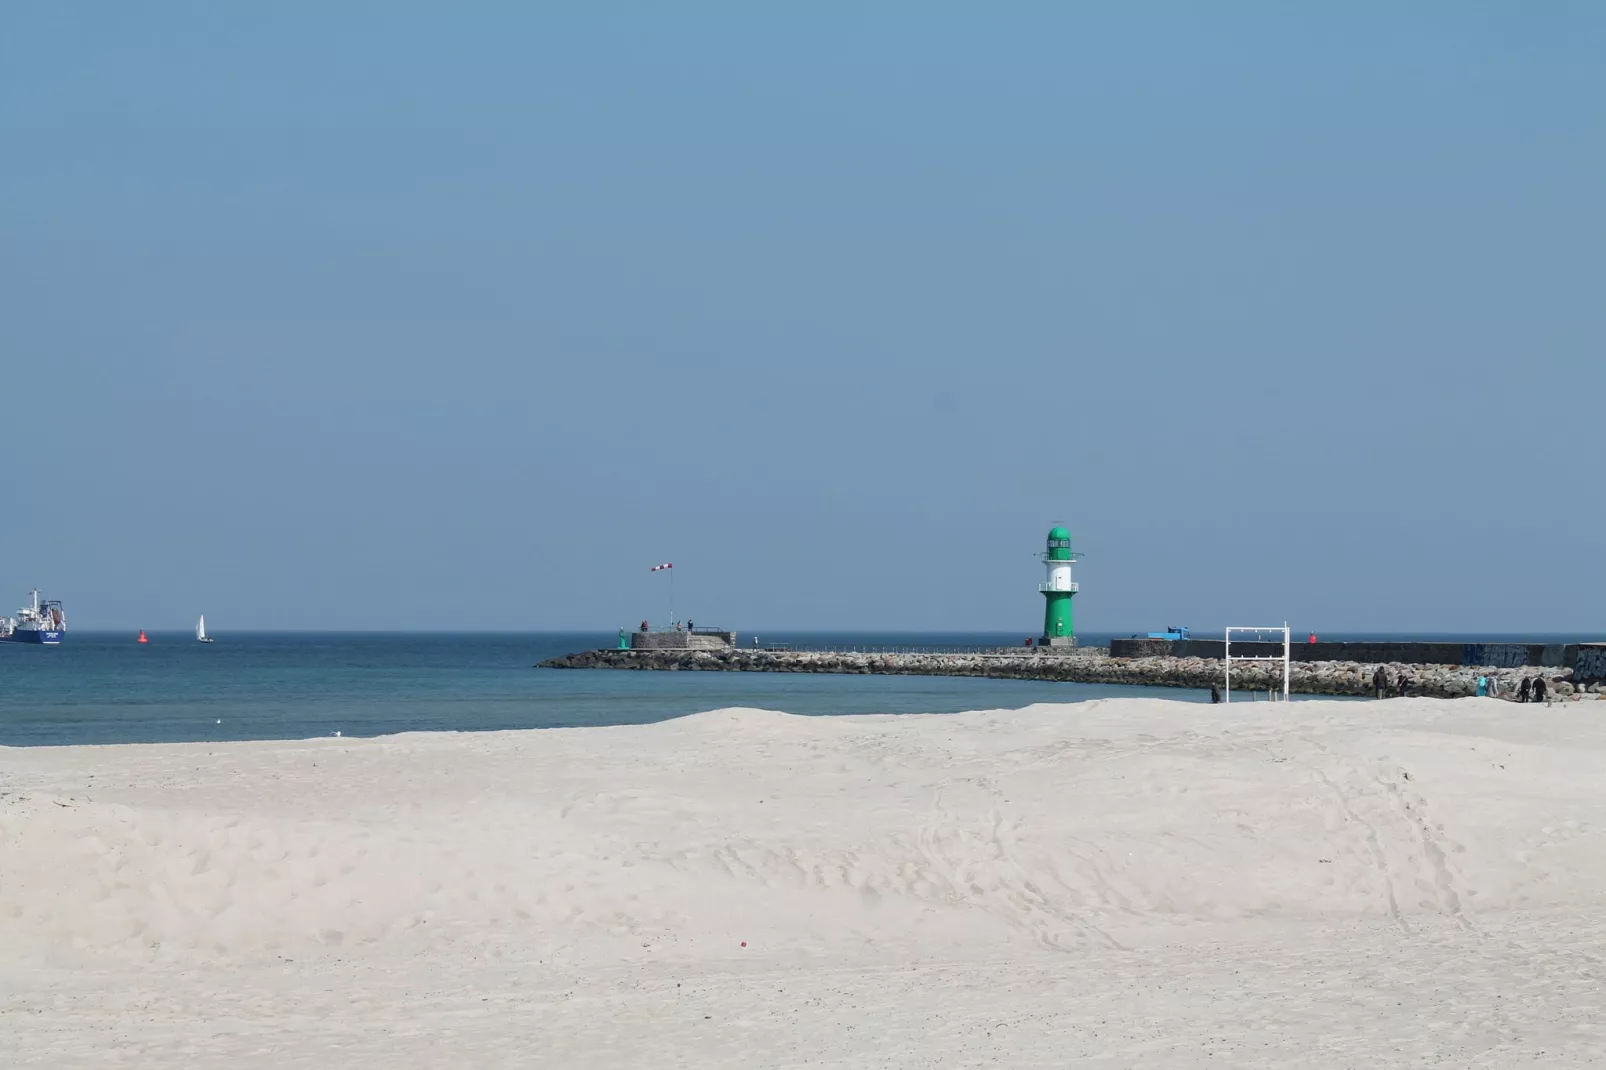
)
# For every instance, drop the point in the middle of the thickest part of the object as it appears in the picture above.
(102, 688)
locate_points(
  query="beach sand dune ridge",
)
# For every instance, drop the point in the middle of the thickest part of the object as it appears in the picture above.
(1101, 839)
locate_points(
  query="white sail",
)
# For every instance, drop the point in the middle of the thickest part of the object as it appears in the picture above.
(200, 628)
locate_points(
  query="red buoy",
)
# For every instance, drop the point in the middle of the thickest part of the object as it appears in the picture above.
(142, 636)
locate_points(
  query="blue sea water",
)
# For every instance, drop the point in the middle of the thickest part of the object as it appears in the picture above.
(106, 688)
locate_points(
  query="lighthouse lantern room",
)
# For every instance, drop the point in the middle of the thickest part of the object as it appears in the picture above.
(1059, 627)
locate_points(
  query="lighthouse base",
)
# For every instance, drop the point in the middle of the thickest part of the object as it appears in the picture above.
(1057, 640)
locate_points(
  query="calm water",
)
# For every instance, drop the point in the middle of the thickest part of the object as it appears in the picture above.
(105, 688)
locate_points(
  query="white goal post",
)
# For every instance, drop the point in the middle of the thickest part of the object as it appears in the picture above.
(1229, 658)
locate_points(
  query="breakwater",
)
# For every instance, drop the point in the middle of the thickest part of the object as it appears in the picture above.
(1588, 658)
(1089, 666)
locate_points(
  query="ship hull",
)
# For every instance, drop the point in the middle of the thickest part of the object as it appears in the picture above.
(36, 638)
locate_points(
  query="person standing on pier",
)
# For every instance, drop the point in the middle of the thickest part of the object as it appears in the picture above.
(1402, 682)
(1380, 682)
(1539, 689)
(1215, 694)
(1523, 689)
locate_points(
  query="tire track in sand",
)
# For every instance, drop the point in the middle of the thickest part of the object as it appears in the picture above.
(1411, 810)
(1374, 844)
(991, 877)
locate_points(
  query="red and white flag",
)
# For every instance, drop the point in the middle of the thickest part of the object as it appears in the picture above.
(660, 568)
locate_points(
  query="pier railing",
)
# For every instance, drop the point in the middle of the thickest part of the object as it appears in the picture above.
(970, 651)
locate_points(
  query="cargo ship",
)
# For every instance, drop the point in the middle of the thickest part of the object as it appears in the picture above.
(36, 622)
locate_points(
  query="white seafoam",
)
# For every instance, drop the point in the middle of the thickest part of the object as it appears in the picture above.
(1121, 883)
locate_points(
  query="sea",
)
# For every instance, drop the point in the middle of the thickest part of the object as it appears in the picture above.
(102, 688)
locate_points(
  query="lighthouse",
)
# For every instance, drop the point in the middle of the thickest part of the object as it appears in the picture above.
(1059, 628)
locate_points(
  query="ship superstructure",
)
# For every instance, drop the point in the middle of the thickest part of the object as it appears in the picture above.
(37, 622)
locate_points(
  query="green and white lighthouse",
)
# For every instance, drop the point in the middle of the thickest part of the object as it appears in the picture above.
(1059, 627)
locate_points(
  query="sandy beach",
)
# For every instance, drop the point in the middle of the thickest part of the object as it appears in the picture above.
(1126, 882)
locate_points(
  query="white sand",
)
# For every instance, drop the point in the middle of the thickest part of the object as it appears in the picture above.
(1120, 883)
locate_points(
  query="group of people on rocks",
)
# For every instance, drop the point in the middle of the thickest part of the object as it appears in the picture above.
(1380, 684)
(1531, 689)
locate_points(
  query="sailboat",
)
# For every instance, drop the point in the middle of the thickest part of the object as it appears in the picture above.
(200, 630)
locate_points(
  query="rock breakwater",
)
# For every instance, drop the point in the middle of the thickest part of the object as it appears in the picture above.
(1086, 666)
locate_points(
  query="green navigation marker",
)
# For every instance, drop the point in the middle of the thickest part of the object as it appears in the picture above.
(1059, 626)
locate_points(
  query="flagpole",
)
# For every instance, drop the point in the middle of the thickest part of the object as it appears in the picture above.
(671, 596)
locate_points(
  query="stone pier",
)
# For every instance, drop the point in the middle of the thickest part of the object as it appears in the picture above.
(1093, 665)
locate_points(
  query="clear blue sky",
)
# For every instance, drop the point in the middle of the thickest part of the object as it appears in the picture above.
(402, 315)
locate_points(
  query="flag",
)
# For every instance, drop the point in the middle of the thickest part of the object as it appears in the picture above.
(660, 568)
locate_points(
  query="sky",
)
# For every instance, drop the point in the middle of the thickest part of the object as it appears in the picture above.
(462, 316)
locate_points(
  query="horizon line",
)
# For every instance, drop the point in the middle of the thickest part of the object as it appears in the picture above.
(1116, 632)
